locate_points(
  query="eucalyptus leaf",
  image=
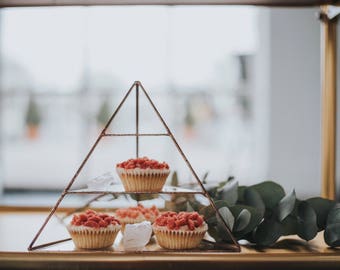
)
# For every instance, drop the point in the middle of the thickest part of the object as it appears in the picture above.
(212, 191)
(268, 232)
(229, 220)
(180, 200)
(240, 193)
(227, 217)
(189, 207)
(332, 231)
(223, 233)
(296, 206)
(289, 225)
(229, 192)
(204, 177)
(214, 233)
(220, 203)
(249, 237)
(212, 221)
(334, 215)
(306, 221)
(209, 211)
(321, 207)
(332, 235)
(286, 206)
(270, 192)
(215, 190)
(262, 213)
(195, 205)
(253, 198)
(242, 220)
(223, 183)
(255, 219)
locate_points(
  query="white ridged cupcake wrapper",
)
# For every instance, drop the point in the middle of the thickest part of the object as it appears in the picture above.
(90, 238)
(178, 239)
(143, 180)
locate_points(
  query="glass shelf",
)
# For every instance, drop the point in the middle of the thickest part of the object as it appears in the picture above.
(119, 189)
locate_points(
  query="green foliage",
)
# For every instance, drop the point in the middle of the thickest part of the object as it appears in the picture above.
(286, 206)
(252, 198)
(189, 118)
(262, 213)
(242, 220)
(208, 211)
(268, 232)
(270, 192)
(289, 225)
(306, 221)
(227, 216)
(332, 231)
(174, 179)
(321, 207)
(225, 190)
(103, 113)
(256, 217)
(33, 117)
(204, 177)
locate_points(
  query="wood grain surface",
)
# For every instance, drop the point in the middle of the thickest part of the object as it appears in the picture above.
(18, 228)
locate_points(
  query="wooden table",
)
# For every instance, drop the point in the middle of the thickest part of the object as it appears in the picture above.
(18, 228)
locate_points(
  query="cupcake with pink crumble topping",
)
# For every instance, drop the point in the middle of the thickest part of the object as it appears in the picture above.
(143, 174)
(183, 230)
(136, 214)
(92, 230)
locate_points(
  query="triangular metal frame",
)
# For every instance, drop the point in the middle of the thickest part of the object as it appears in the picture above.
(234, 246)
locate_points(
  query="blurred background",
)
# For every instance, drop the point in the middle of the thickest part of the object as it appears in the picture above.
(238, 86)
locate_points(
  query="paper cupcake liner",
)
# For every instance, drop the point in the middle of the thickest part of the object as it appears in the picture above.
(178, 239)
(143, 181)
(90, 238)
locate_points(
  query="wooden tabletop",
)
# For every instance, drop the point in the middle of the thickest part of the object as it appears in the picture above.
(18, 228)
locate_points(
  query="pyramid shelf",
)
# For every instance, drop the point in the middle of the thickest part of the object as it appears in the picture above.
(119, 189)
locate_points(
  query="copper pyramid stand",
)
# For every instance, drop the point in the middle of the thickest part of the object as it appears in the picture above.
(232, 247)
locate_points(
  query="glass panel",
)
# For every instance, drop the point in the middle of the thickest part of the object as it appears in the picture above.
(238, 86)
(66, 69)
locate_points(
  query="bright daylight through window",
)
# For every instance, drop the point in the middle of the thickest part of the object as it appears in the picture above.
(64, 70)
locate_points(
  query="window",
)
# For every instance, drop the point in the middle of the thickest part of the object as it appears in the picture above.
(64, 70)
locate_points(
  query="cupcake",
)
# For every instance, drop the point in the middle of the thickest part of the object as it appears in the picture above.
(143, 174)
(136, 214)
(184, 230)
(92, 230)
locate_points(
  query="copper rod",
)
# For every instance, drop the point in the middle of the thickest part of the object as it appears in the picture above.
(190, 167)
(132, 192)
(51, 243)
(118, 108)
(137, 120)
(30, 247)
(134, 134)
